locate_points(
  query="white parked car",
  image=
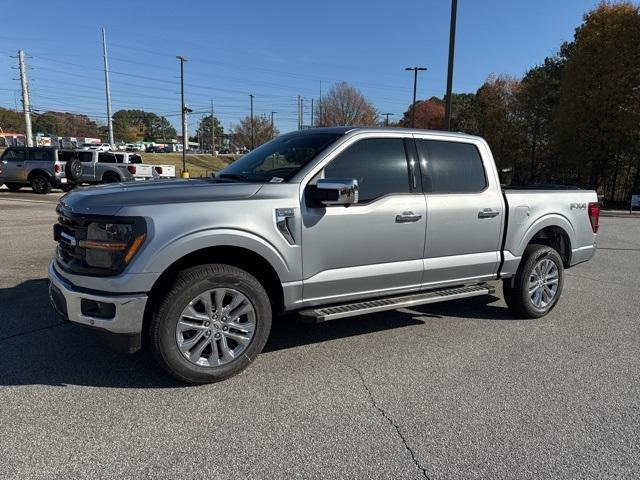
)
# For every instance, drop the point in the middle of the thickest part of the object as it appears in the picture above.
(100, 147)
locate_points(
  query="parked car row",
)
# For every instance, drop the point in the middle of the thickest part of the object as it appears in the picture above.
(44, 168)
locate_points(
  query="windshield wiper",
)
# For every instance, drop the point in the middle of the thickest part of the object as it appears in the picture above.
(233, 176)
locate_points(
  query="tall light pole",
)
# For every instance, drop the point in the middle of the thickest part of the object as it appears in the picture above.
(415, 83)
(26, 105)
(185, 140)
(452, 45)
(107, 89)
(213, 131)
(252, 133)
(272, 113)
(386, 121)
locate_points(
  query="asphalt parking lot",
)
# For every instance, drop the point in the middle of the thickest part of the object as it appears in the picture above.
(454, 390)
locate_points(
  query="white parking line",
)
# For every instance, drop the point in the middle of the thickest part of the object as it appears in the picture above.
(13, 199)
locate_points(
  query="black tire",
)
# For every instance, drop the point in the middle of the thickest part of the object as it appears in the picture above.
(73, 170)
(40, 184)
(516, 290)
(189, 284)
(109, 178)
(14, 187)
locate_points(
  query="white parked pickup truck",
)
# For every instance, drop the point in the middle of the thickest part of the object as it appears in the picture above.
(328, 222)
(164, 171)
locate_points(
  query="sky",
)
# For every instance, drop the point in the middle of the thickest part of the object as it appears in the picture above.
(275, 50)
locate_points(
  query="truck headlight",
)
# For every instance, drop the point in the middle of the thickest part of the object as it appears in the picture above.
(110, 245)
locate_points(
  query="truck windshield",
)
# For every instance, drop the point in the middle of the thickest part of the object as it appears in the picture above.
(279, 159)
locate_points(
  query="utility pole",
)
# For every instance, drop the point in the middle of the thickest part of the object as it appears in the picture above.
(415, 83)
(299, 122)
(253, 141)
(107, 88)
(320, 120)
(301, 112)
(26, 105)
(311, 123)
(213, 131)
(386, 122)
(272, 123)
(452, 46)
(185, 140)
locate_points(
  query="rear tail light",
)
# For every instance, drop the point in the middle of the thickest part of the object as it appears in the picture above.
(132, 169)
(57, 167)
(594, 216)
(159, 170)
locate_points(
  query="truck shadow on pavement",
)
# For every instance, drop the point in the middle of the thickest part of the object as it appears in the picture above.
(37, 348)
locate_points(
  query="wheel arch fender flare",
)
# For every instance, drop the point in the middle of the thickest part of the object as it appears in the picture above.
(550, 220)
(182, 246)
(112, 173)
(39, 171)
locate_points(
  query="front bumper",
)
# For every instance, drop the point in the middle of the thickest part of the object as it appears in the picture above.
(67, 301)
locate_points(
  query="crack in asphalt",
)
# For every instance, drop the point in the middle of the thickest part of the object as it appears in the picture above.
(30, 332)
(393, 424)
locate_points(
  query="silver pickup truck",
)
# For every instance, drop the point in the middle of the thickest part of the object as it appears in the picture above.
(95, 166)
(330, 223)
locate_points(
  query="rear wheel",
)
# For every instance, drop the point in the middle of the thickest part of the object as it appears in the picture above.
(40, 184)
(14, 187)
(110, 179)
(537, 285)
(211, 324)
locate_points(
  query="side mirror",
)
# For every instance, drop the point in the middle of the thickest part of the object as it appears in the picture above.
(336, 191)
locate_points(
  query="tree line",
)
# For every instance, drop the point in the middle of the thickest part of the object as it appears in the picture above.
(574, 119)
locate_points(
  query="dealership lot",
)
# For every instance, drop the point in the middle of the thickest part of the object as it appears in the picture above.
(455, 390)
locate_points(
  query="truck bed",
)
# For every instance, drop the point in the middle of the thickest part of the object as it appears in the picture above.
(531, 209)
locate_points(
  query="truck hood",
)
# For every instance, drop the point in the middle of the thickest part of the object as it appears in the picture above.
(108, 199)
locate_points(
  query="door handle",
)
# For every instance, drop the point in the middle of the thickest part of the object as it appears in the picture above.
(407, 217)
(488, 213)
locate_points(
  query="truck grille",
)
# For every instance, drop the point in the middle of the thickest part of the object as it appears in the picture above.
(69, 231)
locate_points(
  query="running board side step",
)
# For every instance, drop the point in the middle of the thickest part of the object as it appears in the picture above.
(333, 312)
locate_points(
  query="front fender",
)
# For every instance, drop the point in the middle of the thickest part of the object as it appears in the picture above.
(194, 241)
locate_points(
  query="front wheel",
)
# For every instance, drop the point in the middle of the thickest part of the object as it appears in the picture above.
(537, 285)
(211, 324)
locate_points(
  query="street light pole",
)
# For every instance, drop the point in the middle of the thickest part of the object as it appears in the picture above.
(252, 134)
(185, 140)
(415, 83)
(452, 45)
(272, 123)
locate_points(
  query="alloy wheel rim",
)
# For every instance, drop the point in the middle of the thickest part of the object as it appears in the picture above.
(216, 327)
(39, 183)
(543, 283)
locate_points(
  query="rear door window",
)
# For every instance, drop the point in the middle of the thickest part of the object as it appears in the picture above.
(105, 157)
(40, 155)
(66, 155)
(451, 167)
(85, 157)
